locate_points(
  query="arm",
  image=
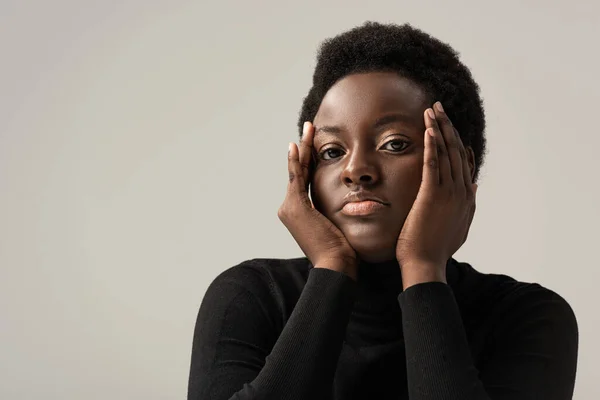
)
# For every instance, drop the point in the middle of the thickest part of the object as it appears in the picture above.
(535, 357)
(238, 352)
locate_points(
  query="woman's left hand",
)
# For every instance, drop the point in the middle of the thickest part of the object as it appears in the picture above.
(439, 220)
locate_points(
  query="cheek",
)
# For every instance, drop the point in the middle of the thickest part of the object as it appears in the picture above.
(405, 181)
(322, 192)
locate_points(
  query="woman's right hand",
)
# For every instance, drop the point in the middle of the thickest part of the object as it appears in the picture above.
(320, 240)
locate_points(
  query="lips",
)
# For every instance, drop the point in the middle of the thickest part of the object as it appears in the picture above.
(362, 203)
(362, 195)
(367, 207)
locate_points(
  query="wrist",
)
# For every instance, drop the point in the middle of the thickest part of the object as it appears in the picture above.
(348, 268)
(416, 273)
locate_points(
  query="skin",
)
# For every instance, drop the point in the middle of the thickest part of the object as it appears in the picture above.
(425, 181)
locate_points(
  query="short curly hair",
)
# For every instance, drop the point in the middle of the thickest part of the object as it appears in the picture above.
(413, 54)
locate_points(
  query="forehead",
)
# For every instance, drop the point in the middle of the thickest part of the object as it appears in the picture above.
(371, 94)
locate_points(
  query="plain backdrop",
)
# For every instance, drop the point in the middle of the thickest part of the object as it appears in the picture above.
(143, 151)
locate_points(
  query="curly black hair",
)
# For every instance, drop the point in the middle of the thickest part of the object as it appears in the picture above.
(413, 54)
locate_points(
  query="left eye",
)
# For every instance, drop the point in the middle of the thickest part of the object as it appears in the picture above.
(395, 145)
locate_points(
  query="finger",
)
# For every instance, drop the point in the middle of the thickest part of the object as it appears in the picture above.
(296, 184)
(431, 173)
(452, 145)
(471, 213)
(445, 174)
(466, 169)
(306, 148)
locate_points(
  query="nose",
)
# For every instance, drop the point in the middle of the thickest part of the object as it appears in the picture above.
(359, 170)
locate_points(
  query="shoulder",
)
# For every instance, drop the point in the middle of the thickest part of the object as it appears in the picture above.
(278, 282)
(266, 272)
(512, 302)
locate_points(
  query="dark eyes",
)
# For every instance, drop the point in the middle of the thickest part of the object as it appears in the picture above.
(393, 146)
(328, 154)
(396, 145)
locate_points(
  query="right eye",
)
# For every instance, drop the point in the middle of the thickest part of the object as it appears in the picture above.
(330, 153)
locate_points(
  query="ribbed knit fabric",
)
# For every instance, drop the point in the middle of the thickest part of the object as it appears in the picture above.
(282, 329)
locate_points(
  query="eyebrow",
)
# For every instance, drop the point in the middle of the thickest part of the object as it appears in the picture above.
(385, 120)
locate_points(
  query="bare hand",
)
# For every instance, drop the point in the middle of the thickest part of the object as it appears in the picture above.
(439, 221)
(320, 240)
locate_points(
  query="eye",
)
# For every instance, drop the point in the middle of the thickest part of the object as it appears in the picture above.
(330, 153)
(396, 145)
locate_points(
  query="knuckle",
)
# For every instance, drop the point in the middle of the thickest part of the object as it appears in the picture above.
(432, 163)
(282, 213)
(445, 118)
(452, 143)
(286, 212)
(306, 143)
(441, 149)
(455, 132)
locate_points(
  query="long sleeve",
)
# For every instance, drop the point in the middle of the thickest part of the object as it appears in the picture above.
(535, 354)
(240, 353)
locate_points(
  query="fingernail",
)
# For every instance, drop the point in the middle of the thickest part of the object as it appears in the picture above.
(439, 107)
(304, 128)
(431, 113)
(289, 148)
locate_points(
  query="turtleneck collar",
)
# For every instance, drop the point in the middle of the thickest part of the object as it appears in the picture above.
(387, 275)
(376, 315)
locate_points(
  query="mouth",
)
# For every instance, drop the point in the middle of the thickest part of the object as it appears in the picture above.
(362, 203)
(361, 208)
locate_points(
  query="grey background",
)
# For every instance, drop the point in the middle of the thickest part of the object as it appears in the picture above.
(143, 151)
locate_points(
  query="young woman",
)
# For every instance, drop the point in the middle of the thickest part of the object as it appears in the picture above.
(392, 141)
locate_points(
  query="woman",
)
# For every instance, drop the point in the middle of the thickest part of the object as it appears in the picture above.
(391, 145)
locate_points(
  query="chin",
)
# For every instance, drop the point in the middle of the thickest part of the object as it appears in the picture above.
(373, 240)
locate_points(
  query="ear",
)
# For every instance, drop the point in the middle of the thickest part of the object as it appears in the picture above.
(471, 161)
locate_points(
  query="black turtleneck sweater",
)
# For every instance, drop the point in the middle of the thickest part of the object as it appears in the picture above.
(282, 329)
